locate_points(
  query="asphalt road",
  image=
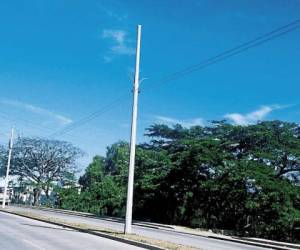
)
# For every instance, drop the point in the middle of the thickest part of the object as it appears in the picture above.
(172, 236)
(18, 233)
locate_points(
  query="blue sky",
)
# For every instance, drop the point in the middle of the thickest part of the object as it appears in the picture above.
(62, 60)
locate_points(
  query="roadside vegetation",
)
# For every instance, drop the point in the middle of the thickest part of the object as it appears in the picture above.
(41, 164)
(244, 179)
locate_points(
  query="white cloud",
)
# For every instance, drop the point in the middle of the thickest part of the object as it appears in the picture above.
(117, 35)
(107, 59)
(120, 44)
(63, 120)
(114, 15)
(254, 116)
(185, 123)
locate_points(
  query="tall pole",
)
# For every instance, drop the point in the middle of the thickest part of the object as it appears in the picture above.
(10, 146)
(128, 220)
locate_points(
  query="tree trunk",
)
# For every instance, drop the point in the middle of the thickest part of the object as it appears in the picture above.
(47, 193)
(110, 210)
(36, 194)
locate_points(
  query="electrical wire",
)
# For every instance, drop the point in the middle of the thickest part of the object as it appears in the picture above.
(24, 121)
(226, 54)
(278, 32)
(90, 117)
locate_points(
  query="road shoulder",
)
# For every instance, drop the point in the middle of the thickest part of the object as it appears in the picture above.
(135, 240)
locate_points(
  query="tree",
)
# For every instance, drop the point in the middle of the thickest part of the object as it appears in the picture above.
(42, 162)
(117, 160)
(242, 178)
(93, 173)
(221, 176)
(106, 194)
(151, 169)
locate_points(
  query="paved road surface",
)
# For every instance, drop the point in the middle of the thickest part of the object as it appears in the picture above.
(175, 237)
(18, 233)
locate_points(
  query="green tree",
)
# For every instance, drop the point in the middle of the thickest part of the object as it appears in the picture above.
(104, 194)
(42, 162)
(222, 176)
(230, 177)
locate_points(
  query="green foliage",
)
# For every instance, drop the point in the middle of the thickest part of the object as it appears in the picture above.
(68, 198)
(101, 193)
(41, 162)
(94, 173)
(240, 178)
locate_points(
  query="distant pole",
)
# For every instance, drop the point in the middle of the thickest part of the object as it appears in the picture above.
(128, 220)
(10, 146)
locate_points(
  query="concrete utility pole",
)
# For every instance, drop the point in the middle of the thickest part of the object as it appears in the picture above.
(128, 221)
(10, 146)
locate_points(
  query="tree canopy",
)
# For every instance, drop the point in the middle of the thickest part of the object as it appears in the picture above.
(240, 178)
(41, 162)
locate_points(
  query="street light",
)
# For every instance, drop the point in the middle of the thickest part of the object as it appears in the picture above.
(10, 146)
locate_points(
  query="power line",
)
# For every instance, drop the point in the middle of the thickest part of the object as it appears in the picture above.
(278, 32)
(228, 53)
(25, 122)
(90, 117)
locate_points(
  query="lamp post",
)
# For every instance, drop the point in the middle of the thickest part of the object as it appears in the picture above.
(10, 146)
(128, 219)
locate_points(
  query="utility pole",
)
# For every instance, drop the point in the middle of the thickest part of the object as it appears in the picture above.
(128, 220)
(10, 146)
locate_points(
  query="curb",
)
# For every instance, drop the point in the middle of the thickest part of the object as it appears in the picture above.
(232, 239)
(251, 243)
(103, 235)
(280, 244)
(89, 215)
